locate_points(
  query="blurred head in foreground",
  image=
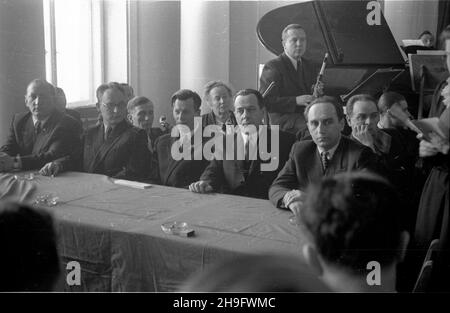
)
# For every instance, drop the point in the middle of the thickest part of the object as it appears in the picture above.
(256, 273)
(354, 221)
(29, 257)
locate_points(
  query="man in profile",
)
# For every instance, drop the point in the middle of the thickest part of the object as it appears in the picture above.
(181, 172)
(327, 154)
(42, 134)
(293, 77)
(354, 220)
(246, 177)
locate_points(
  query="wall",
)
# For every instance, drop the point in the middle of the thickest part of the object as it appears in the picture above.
(21, 55)
(408, 19)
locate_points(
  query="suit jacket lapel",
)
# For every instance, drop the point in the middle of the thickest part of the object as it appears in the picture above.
(108, 144)
(315, 165)
(290, 69)
(338, 161)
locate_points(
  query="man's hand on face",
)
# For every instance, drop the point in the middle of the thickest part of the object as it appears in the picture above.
(303, 100)
(6, 162)
(200, 187)
(362, 134)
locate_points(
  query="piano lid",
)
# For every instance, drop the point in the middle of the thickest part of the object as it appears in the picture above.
(337, 27)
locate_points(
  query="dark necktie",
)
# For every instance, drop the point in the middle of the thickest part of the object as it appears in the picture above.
(108, 133)
(299, 68)
(37, 128)
(325, 161)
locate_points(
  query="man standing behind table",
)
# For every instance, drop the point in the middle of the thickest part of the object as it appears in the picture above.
(327, 154)
(247, 177)
(41, 135)
(293, 77)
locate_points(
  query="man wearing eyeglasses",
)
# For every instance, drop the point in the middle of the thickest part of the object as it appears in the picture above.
(40, 135)
(115, 148)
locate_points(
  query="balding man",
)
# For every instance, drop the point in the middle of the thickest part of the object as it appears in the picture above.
(327, 154)
(293, 77)
(40, 135)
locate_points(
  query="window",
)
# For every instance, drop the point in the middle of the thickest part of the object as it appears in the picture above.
(76, 46)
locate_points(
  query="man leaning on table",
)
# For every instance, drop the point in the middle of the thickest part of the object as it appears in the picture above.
(327, 154)
(113, 147)
(40, 135)
(246, 177)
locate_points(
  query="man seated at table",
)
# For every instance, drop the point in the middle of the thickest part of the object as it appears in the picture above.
(41, 135)
(245, 176)
(113, 148)
(363, 117)
(29, 260)
(354, 220)
(179, 167)
(141, 115)
(326, 154)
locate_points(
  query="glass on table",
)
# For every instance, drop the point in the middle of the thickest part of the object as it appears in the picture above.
(47, 199)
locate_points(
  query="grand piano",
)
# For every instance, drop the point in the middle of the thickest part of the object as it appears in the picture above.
(356, 49)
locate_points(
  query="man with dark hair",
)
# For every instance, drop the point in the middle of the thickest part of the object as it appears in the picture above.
(113, 148)
(180, 172)
(355, 224)
(293, 77)
(246, 177)
(61, 103)
(41, 135)
(326, 154)
(29, 260)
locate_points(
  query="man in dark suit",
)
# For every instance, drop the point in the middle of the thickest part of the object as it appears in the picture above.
(61, 103)
(245, 176)
(180, 154)
(328, 153)
(41, 135)
(116, 148)
(293, 77)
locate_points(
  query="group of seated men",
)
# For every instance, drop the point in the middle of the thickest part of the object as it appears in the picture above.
(273, 165)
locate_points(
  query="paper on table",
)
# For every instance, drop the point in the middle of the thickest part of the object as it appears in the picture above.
(129, 183)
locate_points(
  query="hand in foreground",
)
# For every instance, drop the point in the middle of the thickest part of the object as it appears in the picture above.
(296, 207)
(50, 169)
(200, 187)
(303, 100)
(362, 134)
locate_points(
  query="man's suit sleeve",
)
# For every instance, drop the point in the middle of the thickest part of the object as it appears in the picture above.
(11, 147)
(275, 101)
(64, 138)
(213, 174)
(285, 181)
(368, 160)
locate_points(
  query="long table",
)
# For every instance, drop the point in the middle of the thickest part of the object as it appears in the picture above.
(115, 234)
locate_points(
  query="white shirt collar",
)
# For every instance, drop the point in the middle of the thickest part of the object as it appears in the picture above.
(35, 120)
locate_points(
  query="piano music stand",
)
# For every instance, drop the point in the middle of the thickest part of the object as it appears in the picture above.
(426, 72)
(375, 83)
